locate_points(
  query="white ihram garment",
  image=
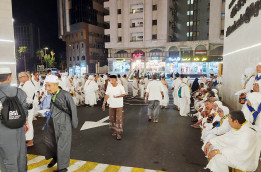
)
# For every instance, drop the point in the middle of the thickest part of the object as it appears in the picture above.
(165, 101)
(90, 89)
(184, 101)
(29, 89)
(240, 149)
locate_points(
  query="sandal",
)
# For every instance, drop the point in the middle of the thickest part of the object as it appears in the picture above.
(118, 137)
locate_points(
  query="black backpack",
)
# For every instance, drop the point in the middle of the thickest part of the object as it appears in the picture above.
(12, 115)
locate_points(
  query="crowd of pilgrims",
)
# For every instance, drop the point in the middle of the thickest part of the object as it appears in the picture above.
(230, 138)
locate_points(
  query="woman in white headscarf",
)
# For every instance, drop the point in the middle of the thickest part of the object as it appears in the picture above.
(220, 129)
(89, 89)
(247, 81)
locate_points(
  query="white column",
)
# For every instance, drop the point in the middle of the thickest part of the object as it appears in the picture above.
(7, 44)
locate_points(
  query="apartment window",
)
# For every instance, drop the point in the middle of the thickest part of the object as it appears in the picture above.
(73, 58)
(73, 47)
(119, 39)
(81, 33)
(119, 11)
(70, 58)
(190, 2)
(189, 34)
(189, 13)
(196, 23)
(154, 22)
(222, 32)
(190, 23)
(154, 36)
(82, 45)
(83, 57)
(77, 46)
(119, 25)
(154, 7)
(78, 58)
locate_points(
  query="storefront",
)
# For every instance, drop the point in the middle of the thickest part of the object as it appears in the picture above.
(137, 60)
(78, 69)
(119, 66)
(172, 64)
(155, 64)
(199, 65)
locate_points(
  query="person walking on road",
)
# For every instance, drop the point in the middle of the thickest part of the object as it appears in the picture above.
(115, 93)
(154, 94)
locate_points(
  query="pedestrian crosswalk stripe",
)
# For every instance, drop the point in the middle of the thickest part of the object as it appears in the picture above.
(88, 166)
(112, 168)
(39, 164)
(100, 167)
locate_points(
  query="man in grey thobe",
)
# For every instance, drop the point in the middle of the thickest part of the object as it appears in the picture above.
(58, 133)
(12, 141)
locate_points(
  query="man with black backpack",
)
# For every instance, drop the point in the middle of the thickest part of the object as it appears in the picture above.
(13, 119)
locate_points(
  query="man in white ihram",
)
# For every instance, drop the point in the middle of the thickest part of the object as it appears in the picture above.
(89, 90)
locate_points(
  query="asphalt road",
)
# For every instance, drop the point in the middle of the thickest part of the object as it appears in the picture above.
(170, 145)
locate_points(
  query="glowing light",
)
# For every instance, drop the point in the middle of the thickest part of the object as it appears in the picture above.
(243, 49)
(6, 40)
(196, 59)
(186, 59)
(7, 63)
(204, 59)
(137, 55)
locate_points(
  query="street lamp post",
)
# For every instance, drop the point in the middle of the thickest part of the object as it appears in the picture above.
(45, 48)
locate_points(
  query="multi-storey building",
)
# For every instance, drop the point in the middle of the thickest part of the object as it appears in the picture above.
(27, 35)
(81, 26)
(184, 36)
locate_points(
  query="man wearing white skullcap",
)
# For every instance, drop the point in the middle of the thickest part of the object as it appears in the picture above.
(90, 88)
(13, 149)
(58, 130)
(249, 78)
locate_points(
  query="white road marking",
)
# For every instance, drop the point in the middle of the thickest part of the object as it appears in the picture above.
(35, 160)
(100, 167)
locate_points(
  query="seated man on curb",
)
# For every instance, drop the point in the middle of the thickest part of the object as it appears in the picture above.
(239, 148)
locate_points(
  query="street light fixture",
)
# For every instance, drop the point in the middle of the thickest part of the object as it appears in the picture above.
(45, 48)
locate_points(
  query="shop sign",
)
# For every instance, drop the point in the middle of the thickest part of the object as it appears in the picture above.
(120, 60)
(186, 59)
(155, 58)
(83, 64)
(171, 59)
(251, 11)
(137, 55)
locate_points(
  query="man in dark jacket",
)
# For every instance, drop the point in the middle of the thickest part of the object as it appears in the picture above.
(58, 132)
(12, 141)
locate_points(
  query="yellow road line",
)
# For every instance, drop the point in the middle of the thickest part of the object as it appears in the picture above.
(30, 157)
(72, 161)
(88, 166)
(112, 168)
(38, 164)
(137, 170)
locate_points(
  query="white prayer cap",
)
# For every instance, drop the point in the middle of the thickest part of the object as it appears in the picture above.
(249, 71)
(91, 77)
(259, 64)
(51, 79)
(5, 70)
(215, 91)
(225, 109)
(219, 103)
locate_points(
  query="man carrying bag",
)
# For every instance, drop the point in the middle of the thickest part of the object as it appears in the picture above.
(12, 131)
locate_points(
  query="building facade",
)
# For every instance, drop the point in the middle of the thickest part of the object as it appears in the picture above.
(165, 35)
(81, 26)
(242, 46)
(27, 35)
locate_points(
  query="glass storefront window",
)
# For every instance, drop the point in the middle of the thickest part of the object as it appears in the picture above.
(138, 65)
(213, 67)
(191, 68)
(121, 67)
(172, 67)
(155, 66)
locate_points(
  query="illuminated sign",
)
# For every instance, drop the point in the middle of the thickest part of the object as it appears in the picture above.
(121, 60)
(186, 59)
(196, 59)
(137, 55)
(204, 59)
(83, 64)
(155, 58)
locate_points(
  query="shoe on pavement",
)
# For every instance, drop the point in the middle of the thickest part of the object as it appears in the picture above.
(52, 163)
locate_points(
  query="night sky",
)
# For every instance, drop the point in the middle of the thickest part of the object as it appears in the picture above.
(43, 14)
